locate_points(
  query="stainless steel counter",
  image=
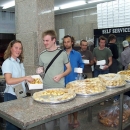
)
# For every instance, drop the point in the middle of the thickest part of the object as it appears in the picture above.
(26, 113)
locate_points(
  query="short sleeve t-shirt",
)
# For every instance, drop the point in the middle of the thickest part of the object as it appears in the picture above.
(16, 69)
(102, 55)
(56, 68)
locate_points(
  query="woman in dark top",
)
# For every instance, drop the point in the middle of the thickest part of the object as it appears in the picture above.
(113, 47)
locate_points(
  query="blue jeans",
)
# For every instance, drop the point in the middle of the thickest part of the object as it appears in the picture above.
(9, 97)
(97, 72)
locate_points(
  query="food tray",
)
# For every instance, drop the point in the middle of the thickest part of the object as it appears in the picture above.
(113, 87)
(128, 81)
(55, 99)
(35, 86)
(91, 94)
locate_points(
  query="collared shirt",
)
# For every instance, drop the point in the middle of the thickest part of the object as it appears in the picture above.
(125, 57)
(16, 69)
(75, 61)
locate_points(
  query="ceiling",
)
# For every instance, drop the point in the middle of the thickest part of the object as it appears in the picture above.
(58, 3)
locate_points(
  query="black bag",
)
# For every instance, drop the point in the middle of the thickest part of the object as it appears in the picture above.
(19, 91)
(52, 61)
(85, 76)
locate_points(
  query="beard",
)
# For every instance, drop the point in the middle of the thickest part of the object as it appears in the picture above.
(67, 47)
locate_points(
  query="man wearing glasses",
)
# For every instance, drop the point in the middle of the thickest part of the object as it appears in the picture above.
(86, 55)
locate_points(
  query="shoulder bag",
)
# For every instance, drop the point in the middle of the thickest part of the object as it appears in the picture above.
(52, 61)
(18, 89)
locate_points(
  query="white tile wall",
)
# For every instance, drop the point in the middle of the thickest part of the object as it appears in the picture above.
(113, 14)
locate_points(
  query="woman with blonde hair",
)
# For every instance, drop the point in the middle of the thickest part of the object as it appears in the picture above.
(14, 73)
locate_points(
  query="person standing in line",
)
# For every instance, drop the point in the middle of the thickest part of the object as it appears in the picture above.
(75, 61)
(54, 77)
(102, 53)
(113, 47)
(14, 73)
(86, 55)
(125, 55)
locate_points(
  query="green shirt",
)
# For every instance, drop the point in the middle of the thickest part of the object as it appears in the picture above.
(102, 55)
(56, 68)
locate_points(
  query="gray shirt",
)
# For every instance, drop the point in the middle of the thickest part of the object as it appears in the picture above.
(56, 68)
(125, 57)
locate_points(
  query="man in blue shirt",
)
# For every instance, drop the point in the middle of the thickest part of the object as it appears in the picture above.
(75, 61)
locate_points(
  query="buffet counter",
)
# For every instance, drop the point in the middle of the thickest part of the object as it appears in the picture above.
(28, 114)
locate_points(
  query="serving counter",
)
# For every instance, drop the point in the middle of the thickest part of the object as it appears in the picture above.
(28, 114)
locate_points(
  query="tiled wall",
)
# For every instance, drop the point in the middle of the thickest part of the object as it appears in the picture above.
(79, 24)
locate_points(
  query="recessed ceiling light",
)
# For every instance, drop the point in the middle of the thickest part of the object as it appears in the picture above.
(73, 4)
(94, 1)
(8, 5)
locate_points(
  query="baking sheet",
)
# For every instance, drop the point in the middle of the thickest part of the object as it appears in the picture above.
(54, 99)
(112, 87)
(91, 94)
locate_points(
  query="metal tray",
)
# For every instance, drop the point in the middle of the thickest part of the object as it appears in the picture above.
(91, 94)
(53, 99)
(128, 81)
(113, 87)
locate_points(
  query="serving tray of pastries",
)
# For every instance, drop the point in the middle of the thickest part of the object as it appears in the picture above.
(126, 74)
(88, 87)
(112, 80)
(53, 96)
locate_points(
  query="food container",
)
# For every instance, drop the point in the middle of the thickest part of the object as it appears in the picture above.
(54, 96)
(78, 70)
(36, 85)
(87, 87)
(101, 62)
(86, 61)
(126, 74)
(112, 80)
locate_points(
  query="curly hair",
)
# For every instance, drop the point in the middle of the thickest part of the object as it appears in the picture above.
(7, 53)
(72, 39)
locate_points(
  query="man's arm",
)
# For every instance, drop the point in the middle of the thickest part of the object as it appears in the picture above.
(66, 72)
(95, 60)
(123, 60)
(109, 63)
(81, 64)
(91, 62)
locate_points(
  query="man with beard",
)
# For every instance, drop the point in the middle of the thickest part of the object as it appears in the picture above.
(86, 55)
(75, 61)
